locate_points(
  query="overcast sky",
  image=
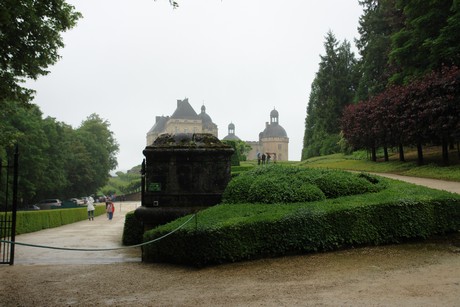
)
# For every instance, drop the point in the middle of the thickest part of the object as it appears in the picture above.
(129, 61)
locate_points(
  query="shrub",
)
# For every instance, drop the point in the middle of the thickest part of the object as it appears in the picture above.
(132, 231)
(237, 189)
(282, 184)
(228, 233)
(339, 183)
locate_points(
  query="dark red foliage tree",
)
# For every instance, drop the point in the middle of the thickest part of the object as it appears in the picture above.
(426, 111)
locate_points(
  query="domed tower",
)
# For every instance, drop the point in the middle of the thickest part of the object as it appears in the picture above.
(231, 133)
(208, 125)
(274, 139)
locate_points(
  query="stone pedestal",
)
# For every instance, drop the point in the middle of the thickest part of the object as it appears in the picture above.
(183, 174)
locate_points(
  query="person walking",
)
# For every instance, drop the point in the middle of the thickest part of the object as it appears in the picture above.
(90, 208)
(110, 209)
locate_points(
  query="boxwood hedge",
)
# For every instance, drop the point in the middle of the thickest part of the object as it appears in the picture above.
(30, 221)
(236, 232)
(284, 184)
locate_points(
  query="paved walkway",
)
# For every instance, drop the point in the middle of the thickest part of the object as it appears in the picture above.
(450, 186)
(102, 233)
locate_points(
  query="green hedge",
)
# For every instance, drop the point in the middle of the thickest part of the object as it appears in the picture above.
(235, 232)
(132, 230)
(285, 184)
(30, 221)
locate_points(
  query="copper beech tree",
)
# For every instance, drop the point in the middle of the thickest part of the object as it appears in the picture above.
(425, 111)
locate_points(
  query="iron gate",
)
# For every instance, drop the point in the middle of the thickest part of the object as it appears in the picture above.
(9, 205)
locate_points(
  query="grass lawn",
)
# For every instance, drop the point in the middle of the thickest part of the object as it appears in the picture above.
(359, 161)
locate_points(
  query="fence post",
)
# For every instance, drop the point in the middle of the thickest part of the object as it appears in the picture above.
(15, 201)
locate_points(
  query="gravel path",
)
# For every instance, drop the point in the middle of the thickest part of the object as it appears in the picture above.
(415, 274)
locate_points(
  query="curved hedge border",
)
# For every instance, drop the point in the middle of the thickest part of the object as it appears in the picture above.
(235, 232)
(30, 221)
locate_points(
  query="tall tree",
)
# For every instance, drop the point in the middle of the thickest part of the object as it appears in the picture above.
(25, 127)
(379, 21)
(414, 49)
(102, 147)
(333, 88)
(30, 36)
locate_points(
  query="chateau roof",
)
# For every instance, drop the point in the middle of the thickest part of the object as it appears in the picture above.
(231, 137)
(160, 124)
(273, 130)
(184, 110)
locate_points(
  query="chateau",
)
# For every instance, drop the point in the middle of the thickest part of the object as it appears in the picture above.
(183, 120)
(273, 140)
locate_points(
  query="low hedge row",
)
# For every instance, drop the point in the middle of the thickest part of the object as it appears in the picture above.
(30, 221)
(228, 233)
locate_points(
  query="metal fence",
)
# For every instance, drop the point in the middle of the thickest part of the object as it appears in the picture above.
(8, 206)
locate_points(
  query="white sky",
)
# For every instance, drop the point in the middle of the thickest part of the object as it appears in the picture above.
(129, 61)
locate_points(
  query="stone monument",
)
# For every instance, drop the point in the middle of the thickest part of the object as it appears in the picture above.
(182, 173)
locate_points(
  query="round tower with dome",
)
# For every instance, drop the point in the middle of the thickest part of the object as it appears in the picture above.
(273, 140)
(231, 134)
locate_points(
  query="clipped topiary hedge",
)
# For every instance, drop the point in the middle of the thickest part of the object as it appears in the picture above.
(236, 232)
(132, 230)
(283, 184)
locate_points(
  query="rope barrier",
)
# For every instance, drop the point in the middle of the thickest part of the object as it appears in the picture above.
(100, 249)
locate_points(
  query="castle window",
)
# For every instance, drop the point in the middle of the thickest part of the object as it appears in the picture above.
(280, 146)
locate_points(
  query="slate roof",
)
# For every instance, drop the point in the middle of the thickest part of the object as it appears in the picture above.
(184, 110)
(160, 124)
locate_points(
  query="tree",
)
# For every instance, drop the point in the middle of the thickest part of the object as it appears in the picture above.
(101, 148)
(332, 89)
(424, 111)
(29, 42)
(415, 47)
(380, 20)
(243, 149)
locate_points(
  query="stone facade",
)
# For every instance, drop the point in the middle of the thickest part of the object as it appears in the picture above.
(272, 140)
(183, 120)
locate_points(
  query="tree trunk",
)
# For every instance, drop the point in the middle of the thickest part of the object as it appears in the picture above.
(385, 153)
(458, 149)
(445, 152)
(419, 154)
(401, 153)
(374, 154)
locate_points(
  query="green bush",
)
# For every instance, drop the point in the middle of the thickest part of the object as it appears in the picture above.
(237, 189)
(284, 184)
(340, 183)
(236, 232)
(133, 230)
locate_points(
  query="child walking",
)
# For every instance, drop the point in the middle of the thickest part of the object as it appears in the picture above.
(110, 209)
